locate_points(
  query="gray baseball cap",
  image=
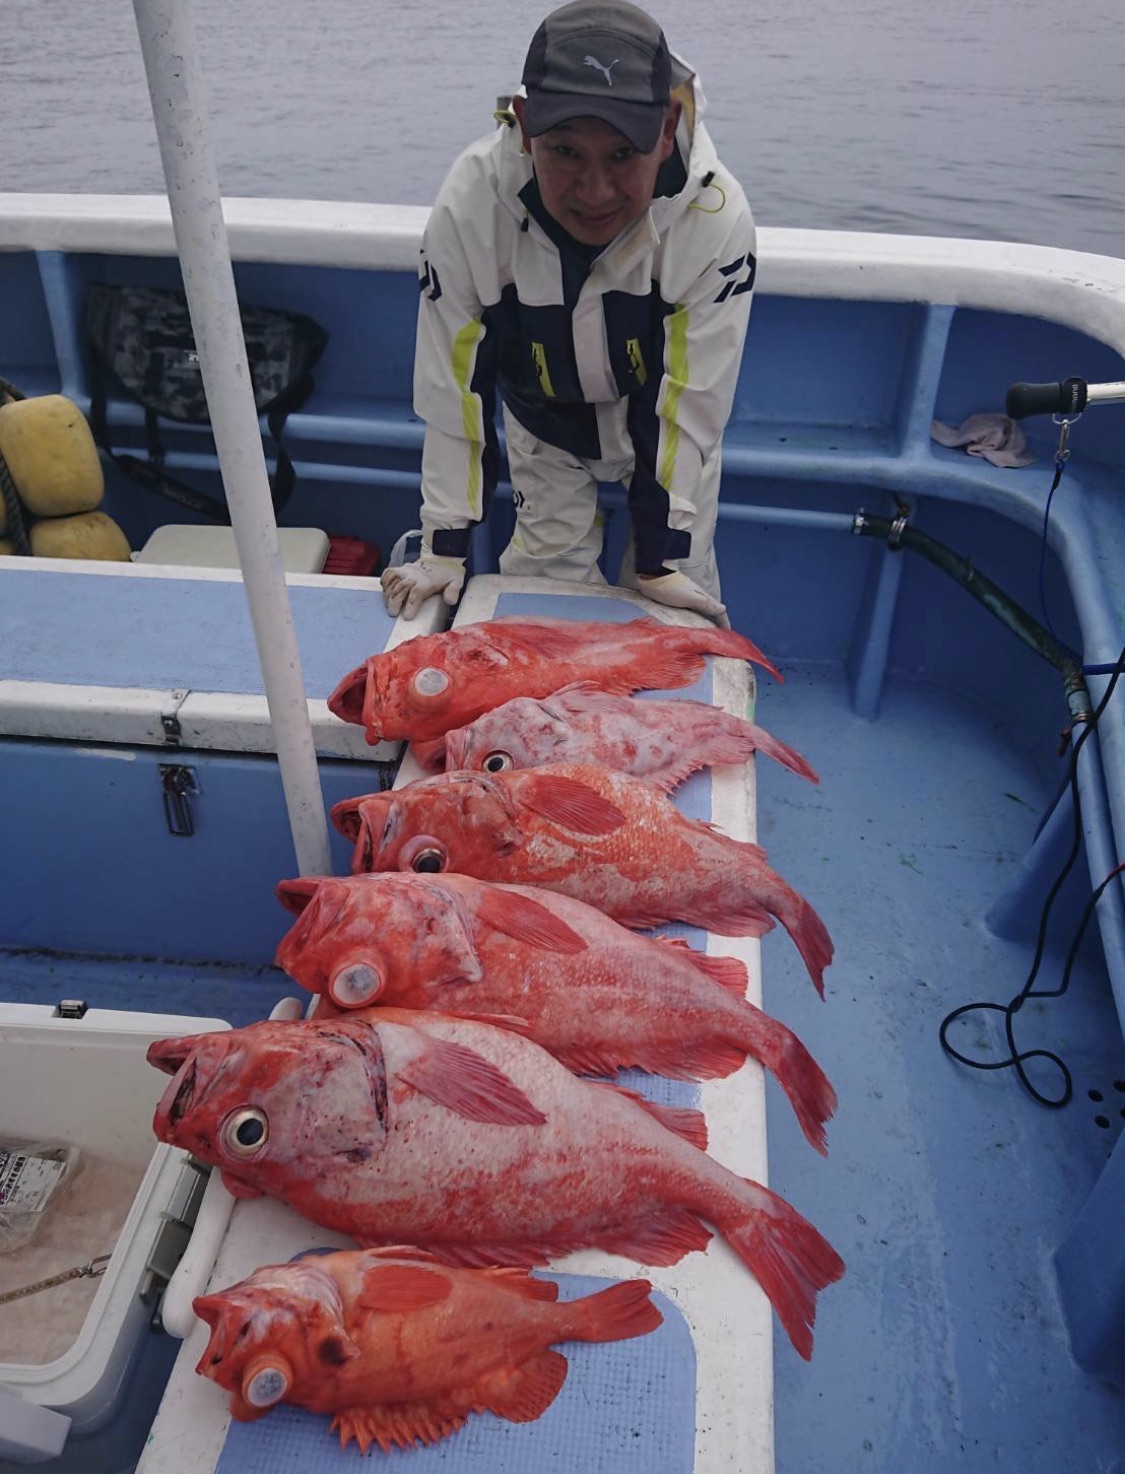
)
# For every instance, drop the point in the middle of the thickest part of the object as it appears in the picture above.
(602, 59)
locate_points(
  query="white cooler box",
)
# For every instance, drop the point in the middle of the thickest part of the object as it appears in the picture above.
(65, 1352)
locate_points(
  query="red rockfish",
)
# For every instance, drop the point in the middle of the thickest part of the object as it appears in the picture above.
(598, 996)
(425, 686)
(399, 1348)
(587, 832)
(659, 741)
(472, 1142)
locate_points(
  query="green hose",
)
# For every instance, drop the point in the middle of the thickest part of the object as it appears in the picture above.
(897, 534)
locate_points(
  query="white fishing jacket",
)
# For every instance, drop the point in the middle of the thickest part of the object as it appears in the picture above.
(634, 357)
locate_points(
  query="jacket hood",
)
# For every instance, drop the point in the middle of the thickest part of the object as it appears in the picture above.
(693, 142)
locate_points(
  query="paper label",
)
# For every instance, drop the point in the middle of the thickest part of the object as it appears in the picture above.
(27, 1181)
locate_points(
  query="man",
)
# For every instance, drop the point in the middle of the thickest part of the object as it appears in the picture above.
(593, 262)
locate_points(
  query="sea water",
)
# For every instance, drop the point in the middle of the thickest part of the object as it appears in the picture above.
(1002, 121)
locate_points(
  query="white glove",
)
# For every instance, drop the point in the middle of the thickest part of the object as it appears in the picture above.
(407, 587)
(678, 591)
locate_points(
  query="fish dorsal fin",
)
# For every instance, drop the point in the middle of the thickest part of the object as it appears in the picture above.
(403, 1287)
(527, 920)
(569, 804)
(465, 1082)
(523, 1283)
(728, 972)
(549, 639)
(396, 1425)
(684, 1122)
(402, 1251)
(581, 697)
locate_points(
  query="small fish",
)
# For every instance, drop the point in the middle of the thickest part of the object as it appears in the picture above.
(659, 741)
(425, 686)
(587, 832)
(472, 1142)
(597, 996)
(399, 1348)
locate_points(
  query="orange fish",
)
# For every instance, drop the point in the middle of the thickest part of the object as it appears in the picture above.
(598, 996)
(659, 741)
(399, 1348)
(425, 686)
(474, 1143)
(602, 837)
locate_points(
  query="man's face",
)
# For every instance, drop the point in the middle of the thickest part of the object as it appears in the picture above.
(591, 178)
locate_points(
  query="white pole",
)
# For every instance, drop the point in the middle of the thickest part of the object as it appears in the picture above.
(176, 88)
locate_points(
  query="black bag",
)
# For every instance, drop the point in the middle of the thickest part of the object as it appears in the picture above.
(142, 340)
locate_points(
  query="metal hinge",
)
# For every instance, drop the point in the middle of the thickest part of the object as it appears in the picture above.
(175, 1231)
(177, 786)
(170, 719)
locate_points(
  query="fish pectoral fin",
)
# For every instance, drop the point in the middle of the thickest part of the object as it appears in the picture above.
(570, 804)
(527, 920)
(465, 1082)
(395, 1425)
(522, 1394)
(403, 1287)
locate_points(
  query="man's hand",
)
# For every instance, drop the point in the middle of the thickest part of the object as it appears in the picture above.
(407, 587)
(680, 592)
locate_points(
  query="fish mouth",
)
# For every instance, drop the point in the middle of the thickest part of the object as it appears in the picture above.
(296, 894)
(180, 1059)
(346, 701)
(346, 820)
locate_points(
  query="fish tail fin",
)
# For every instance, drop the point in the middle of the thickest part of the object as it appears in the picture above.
(618, 1313)
(782, 753)
(791, 1260)
(735, 646)
(809, 933)
(809, 1090)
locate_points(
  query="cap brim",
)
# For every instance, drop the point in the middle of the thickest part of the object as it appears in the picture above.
(639, 122)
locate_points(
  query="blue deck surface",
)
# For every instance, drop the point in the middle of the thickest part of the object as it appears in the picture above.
(184, 633)
(946, 1190)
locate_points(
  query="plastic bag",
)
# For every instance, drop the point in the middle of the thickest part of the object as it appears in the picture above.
(32, 1178)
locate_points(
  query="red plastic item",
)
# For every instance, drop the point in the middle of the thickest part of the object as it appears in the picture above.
(351, 555)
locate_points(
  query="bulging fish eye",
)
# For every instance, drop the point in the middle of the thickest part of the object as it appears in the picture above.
(246, 1131)
(424, 854)
(429, 683)
(354, 986)
(497, 762)
(267, 1385)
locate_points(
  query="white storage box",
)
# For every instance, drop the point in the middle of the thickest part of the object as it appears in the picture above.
(84, 1083)
(303, 549)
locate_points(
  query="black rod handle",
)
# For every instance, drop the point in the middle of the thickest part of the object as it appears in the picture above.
(1065, 398)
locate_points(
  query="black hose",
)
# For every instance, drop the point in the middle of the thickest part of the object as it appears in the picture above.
(897, 534)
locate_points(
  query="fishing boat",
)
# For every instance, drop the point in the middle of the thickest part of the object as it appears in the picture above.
(950, 632)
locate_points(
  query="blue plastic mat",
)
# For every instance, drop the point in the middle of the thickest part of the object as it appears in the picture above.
(184, 633)
(627, 1407)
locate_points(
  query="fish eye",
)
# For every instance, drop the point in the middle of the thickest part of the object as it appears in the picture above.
(354, 986)
(246, 1131)
(425, 854)
(268, 1385)
(497, 762)
(430, 682)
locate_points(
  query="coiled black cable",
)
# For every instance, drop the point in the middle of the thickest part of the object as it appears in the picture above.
(1016, 1058)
